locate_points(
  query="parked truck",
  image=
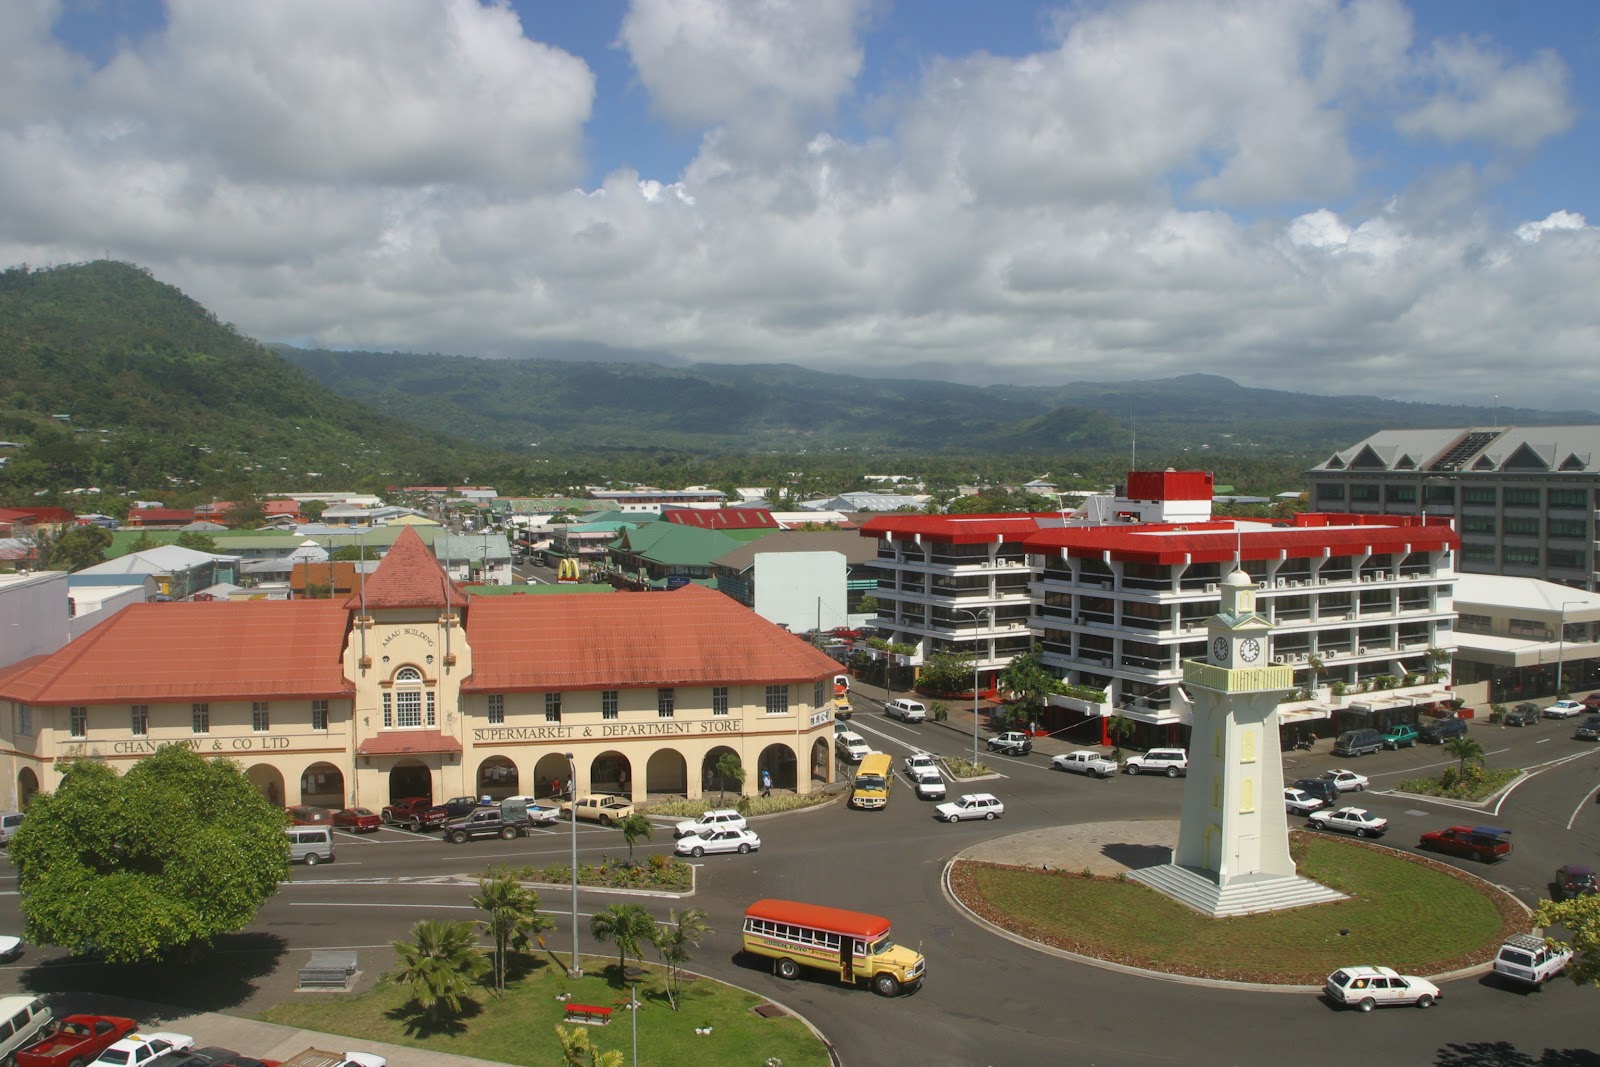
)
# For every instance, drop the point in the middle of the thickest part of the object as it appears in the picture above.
(79, 1039)
(315, 1057)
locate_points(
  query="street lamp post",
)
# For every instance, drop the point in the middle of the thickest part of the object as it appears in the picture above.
(574, 969)
(977, 620)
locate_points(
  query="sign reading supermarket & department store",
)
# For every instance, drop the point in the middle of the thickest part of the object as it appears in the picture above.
(665, 728)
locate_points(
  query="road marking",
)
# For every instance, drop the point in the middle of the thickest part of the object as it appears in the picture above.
(1581, 805)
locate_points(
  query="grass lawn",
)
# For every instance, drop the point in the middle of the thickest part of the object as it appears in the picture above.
(521, 1027)
(1416, 915)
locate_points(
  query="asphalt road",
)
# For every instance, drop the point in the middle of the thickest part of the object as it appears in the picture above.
(988, 1000)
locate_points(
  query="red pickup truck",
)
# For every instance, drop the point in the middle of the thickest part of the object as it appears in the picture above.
(79, 1039)
(1487, 844)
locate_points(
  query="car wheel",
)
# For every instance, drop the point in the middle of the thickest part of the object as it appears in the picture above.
(311, 859)
(744, 848)
(1367, 1004)
(459, 837)
(1172, 772)
(79, 1062)
(988, 816)
(786, 969)
(1132, 768)
(416, 825)
(1361, 831)
(605, 820)
(1481, 857)
(697, 852)
(885, 985)
(1425, 1001)
(1360, 788)
(508, 832)
(1313, 824)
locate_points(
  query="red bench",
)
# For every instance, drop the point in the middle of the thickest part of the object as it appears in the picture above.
(588, 1013)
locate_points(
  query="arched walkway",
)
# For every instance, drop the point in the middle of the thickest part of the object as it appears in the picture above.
(27, 787)
(778, 761)
(410, 778)
(550, 768)
(610, 772)
(269, 780)
(667, 772)
(820, 763)
(711, 781)
(323, 785)
(498, 778)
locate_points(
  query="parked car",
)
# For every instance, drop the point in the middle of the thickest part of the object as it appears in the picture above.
(604, 810)
(78, 1039)
(360, 820)
(740, 840)
(24, 1019)
(1011, 743)
(1575, 880)
(449, 811)
(537, 813)
(486, 822)
(311, 815)
(1346, 781)
(1362, 742)
(405, 812)
(1401, 735)
(10, 948)
(1365, 988)
(1299, 802)
(1168, 761)
(1321, 788)
(1438, 731)
(851, 746)
(1526, 960)
(1358, 821)
(970, 806)
(906, 710)
(138, 1049)
(1564, 709)
(1588, 729)
(1085, 761)
(715, 819)
(1592, 701)
(217, 1056)
(1524, 714)
(1486, 844)
(9, 822)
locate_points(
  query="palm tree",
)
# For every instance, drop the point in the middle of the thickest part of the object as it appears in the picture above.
(577, 1050)
(624, 925)
(1120, 727)
(513, 921)
(1465, 748)
(1314, 666)
(673, 941)
(729, 768)
(440, 964)
(633, 827)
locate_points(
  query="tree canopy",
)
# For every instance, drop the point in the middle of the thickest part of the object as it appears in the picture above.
(135, 867)
(1580, 916)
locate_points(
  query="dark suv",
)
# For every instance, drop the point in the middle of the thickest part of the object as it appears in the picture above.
(1588, 729)
(1523, 714)
(1438, 731)
(1321, 788)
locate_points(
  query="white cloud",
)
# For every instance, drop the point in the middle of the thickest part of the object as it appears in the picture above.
(1483, 98)
(1555, 221)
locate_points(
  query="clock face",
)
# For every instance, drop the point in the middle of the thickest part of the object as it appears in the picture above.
(1219, 649)
(1249, 649)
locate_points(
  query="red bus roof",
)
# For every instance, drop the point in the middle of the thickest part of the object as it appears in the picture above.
(835, 920)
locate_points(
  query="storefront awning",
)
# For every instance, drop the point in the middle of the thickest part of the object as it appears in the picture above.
(408, 743)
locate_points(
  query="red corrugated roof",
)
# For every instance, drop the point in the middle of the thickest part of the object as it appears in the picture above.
(408, 576)
(407, 743)
(169, 653)
(141, 515)
(956, 529)
(687, 637)
(1219, 541)
(855, 923)
(722, 518)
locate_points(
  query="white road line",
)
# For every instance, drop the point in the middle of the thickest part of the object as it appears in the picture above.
(1587, 800)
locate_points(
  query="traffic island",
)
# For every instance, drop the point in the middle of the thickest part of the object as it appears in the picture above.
(1406, 912)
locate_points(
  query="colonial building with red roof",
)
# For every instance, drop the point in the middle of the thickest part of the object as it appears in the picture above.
(405, 688)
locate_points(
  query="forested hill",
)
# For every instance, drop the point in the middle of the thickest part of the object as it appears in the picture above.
(566, 405)
(160, 394)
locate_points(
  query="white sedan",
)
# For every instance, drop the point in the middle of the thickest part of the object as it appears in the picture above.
(971, 806)
(1564, 709)
(1299, 802)
(1358, 821)
(1346, 781)
(718, 841)
(919, 764)
(137, 1049)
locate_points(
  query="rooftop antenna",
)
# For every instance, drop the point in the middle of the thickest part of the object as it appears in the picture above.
(1496, 421)
(1133, 441)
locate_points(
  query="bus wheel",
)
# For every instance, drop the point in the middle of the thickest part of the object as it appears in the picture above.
(885, 985)
(787, 969)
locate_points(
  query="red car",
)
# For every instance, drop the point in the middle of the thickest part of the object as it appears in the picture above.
(407, 811)
(310, 815)
(1592, 701)
(360, 820)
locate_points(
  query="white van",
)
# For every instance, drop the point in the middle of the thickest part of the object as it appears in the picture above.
(9, 821)
(906, 710)
(22, 1020)
(310, 845)
(851, 746)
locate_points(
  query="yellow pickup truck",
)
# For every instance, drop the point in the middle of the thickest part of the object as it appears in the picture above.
(604, 809)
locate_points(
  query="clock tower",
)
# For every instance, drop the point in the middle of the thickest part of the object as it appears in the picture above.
(1233, 839)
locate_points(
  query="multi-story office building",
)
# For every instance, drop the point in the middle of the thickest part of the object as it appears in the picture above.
(1525, 500)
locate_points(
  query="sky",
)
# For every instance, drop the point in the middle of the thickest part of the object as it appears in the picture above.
(1330, 197)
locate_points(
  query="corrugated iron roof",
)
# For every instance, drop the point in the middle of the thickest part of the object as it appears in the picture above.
(407, 743)
(408, 577)
(687, 637)
(169, 653)
(1312, 534)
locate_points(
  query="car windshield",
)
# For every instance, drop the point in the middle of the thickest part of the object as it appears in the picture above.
(869, 781)
(114, 1055)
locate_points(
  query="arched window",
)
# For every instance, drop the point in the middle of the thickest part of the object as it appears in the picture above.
(408, 697)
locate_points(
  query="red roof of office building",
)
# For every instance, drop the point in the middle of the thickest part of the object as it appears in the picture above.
(1310, 534)
(722, 518)
(408, 576)
(407, 743)
(169, 653)
(957, 529)
(1169, 485)
(162, 516)
(687, 637)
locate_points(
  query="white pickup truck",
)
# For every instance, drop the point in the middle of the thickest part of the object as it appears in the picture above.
(1084, 761)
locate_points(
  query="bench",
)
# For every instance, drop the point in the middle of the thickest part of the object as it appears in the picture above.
(588, 1013)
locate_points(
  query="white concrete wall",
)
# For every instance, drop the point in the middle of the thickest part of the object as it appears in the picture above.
(33, 615)
(801, 590)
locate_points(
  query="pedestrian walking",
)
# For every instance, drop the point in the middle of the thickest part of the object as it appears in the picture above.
(766, 783)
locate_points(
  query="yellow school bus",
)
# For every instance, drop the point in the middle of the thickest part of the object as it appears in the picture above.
(873, 778)
(851, 944)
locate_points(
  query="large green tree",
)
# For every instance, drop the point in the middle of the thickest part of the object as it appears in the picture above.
(1027, 678)
(625, 925)
(140, 866)
(79, 547)
(946, 672)
(197, 541)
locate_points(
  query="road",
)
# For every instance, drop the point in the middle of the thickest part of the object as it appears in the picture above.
(988, 1000)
